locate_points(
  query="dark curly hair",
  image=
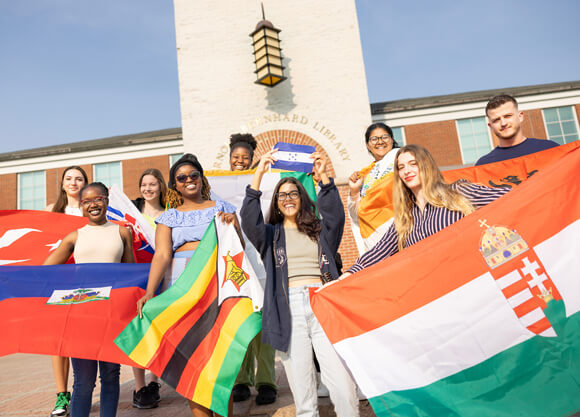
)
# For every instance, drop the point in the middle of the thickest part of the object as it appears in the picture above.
(306, 219)
(244, 140)
(103, 188)
(174, 198)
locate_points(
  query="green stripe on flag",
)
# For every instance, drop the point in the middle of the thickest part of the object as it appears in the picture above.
(537, 378)
(233, 362)
(130, 337)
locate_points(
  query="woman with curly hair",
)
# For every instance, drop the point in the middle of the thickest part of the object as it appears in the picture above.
(298, 250)
(181, 228)
(424, 204)
(242, 147)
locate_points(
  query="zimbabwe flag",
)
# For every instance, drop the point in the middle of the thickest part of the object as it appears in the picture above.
(195, 334)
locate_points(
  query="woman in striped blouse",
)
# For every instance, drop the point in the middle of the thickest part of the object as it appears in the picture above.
(424, 204)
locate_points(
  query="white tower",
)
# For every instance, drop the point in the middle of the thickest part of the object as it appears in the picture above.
(323, 101)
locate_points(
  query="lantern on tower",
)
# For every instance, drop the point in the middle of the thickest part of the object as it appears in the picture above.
(267, 53)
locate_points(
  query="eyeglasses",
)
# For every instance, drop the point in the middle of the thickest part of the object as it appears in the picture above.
(375, 139)
(292, 195)
(99, 200)
(193, 175)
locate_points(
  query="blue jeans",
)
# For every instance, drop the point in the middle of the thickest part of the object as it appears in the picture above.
(85, 375)
(299, 365)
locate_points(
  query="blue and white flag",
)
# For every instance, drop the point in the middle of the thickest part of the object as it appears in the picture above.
(294, 157)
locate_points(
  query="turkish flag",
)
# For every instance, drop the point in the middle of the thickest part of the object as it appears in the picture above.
(27, 237)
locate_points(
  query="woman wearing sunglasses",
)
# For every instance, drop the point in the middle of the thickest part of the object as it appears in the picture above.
(180, 229)
(100, 241)
(298, 250)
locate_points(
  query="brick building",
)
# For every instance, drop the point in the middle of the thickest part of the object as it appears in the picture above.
(452, 127)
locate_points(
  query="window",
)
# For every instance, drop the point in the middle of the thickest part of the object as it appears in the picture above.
(32, 190)
(474, 139)
(398, 135)
(109, 173)
(561, 124)
(174, 158)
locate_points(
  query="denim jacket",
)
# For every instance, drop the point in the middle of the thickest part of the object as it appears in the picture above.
(270, 242)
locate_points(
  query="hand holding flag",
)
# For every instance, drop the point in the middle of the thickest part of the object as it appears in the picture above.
(293, 157)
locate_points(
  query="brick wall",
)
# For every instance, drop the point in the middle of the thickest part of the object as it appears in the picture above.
(440, 138)
(53, 177)
(133, 168)
(8, 184)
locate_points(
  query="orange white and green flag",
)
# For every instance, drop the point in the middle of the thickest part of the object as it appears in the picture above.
(195, 334)
(480, 319)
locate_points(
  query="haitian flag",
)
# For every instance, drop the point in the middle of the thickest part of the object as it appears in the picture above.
(482, 318)
(195, 334)
(69, 310)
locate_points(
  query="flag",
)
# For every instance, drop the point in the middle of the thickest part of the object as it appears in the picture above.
(195, 334)
(27, 237)
(69, 310)
(481, 318)
(293, 157)
(376, 207)
(122, 210)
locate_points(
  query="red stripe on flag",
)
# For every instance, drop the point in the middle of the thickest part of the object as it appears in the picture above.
(540, 326)
(515, 288)
(180, 328)
(190, 375)
(527, 306)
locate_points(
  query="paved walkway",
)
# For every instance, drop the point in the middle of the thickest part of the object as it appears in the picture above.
(27, 389)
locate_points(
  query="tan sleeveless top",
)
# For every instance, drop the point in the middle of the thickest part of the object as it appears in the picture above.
(302, 255)
(99, 244)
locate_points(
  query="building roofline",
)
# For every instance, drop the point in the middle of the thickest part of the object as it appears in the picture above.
(469, 97)
(155, 136)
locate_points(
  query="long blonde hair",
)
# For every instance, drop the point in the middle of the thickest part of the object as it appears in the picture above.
(437, 192)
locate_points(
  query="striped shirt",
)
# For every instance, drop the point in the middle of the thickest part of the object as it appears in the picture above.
(425, 224)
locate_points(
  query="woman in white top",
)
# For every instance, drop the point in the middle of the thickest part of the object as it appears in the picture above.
(68, 202)
(100, 241)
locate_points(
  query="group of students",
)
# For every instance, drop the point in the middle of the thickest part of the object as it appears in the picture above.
(297, 241)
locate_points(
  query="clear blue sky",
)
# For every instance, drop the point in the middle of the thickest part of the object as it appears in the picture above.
(73, 70)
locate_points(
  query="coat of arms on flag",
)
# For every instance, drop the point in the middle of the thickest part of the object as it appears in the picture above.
(195, 334)
(79, 295)
(480, 319)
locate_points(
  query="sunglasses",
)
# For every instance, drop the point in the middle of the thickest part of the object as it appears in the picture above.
(193, 175)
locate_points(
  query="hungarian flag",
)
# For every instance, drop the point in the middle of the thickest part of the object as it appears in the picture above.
(480, 319)
(69, 310)
(376, 207)
(195, 334)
